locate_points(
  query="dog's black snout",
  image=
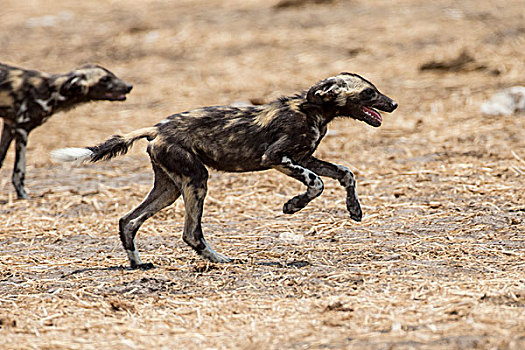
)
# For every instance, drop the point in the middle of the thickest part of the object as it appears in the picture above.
(129, 87)
(393, 105)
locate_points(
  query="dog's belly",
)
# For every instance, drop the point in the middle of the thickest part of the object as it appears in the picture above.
(232, 160)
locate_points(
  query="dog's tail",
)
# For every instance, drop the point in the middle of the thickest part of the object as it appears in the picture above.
(112, 147)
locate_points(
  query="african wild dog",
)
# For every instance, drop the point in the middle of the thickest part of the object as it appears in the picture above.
(28, 98)
(281, 135)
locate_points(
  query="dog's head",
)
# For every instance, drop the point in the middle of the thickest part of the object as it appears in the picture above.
(350, 95)
(95, 83)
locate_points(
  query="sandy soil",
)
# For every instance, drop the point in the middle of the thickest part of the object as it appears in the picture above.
(437, 263)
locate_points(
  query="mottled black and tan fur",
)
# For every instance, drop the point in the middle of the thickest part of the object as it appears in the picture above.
(28, 98)
(281, 135)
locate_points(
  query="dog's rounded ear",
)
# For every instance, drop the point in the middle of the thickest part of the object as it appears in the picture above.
(75, 83)
(324, 91)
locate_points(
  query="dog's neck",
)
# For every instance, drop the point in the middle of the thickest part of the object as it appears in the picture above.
(322, 115)
(58, 99)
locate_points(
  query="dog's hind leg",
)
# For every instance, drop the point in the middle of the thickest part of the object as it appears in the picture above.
(163, 193)
(184, 165)
(345, 178)
(5, 140)
(19, 171)
(194, 191)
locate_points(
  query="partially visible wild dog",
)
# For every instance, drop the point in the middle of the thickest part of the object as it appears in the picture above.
(28, 98)
(281, 135)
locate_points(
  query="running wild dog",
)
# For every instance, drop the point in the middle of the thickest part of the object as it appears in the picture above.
(28, 98)
(281, 135)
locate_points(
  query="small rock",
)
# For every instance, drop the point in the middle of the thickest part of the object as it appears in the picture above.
(505, 102)
(434, 205)
(49, 20)
(291, 237)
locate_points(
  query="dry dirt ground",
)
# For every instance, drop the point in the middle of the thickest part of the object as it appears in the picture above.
(437, 263)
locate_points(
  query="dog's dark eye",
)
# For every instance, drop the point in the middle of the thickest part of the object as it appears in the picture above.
(367, 93)
(105, 79)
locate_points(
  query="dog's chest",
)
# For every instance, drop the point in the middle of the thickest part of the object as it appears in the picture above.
(319, 134)
(316, 135)
(307, 142)
(38, 105)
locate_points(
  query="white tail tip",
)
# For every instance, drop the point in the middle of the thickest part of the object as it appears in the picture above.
(77, 155)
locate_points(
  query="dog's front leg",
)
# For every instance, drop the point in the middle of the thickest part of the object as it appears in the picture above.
(313, 182)
(287, 166)
(19, 171)
(7, 136)
(345, 178)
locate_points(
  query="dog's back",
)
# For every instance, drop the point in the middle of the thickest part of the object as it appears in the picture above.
(231, 138)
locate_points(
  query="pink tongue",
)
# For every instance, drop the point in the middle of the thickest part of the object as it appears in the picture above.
(373, 114)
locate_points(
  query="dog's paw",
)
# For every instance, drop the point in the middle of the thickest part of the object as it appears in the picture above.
(220, 259)
(210, 254)
(291, 207)
(22, 196)
(354, 208)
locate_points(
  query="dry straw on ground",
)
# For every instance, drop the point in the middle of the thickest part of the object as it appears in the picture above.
(437, 263)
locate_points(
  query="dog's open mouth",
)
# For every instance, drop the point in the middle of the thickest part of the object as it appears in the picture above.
(115, 96)
(371, 116)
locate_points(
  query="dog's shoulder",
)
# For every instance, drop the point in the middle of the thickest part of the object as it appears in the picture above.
(22, 81)
(282, 111)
